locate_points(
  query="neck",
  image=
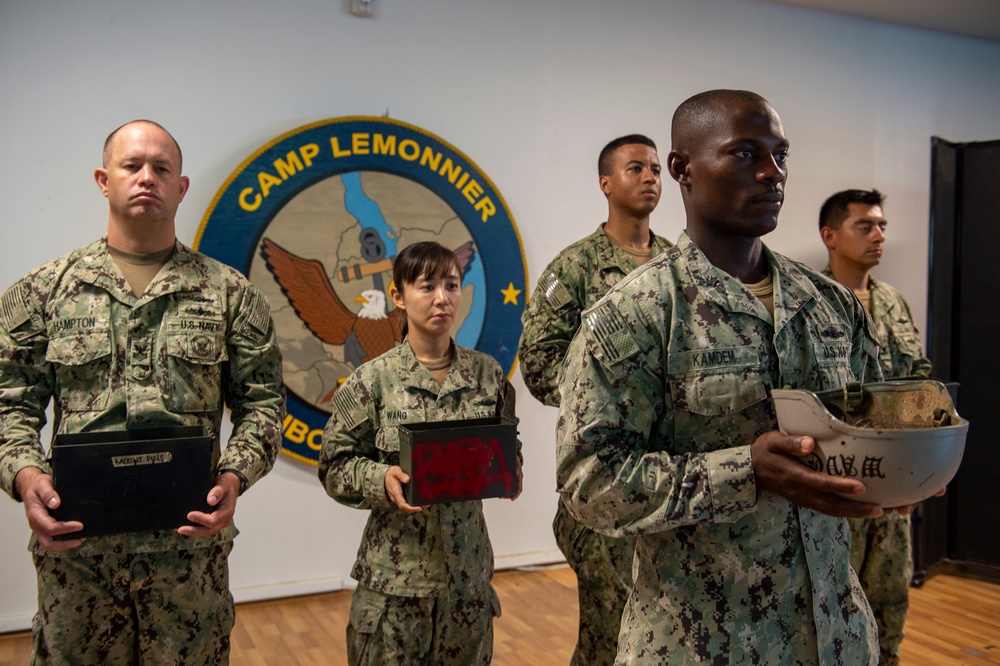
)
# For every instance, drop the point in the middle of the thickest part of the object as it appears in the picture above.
(853, 277)
(741, 257)
(140, 238)
(427, 348)
(628, 231)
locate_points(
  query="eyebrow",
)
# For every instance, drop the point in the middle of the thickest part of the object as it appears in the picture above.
(870, 220)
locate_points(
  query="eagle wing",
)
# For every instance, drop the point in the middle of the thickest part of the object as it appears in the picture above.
(396, 318)
(305, 283)
(465, 254)
(375, 337)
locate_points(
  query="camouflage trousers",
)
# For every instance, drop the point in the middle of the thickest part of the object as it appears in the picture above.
(389, 630)
(171, 607)
(881, 556)
(603, 567)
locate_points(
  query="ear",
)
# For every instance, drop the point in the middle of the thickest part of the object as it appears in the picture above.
(605, 183)
(101, 178)
(397, 297)
(185, 184)
(678, 166)
(829, 237)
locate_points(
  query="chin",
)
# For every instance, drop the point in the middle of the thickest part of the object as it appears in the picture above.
(764, 227)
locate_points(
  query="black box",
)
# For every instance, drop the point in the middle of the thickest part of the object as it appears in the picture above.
(458, 461)
(131, 480)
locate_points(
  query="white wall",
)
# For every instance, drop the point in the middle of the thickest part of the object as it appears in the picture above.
(530, 90)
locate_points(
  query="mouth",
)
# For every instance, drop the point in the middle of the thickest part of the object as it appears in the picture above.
(145, 196)
(773, 200)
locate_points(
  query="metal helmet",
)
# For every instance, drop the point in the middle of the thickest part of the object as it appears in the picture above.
(903, 439)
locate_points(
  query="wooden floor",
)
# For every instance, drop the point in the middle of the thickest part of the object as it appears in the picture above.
(953, 621)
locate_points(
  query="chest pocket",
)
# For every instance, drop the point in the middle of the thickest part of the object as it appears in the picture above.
(196, 351)
(833, 361)
(901, 337)
(717, 381)
(82, 362)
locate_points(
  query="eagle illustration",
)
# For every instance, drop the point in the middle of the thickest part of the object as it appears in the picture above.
(365, 334)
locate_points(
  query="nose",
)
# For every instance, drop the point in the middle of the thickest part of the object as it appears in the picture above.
(146, 175)
(650, 176)
(772, 170)
(878, 233)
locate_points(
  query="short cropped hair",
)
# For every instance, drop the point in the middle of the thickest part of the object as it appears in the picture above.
(606, 161)
(834, 210)
(107, 142)
(698, 112)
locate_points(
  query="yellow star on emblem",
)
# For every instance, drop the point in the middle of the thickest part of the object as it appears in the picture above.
(510, 294)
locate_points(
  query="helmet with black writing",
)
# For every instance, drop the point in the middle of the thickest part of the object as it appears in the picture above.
(903, 439)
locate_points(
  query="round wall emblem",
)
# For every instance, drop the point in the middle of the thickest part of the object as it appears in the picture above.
(316, 217)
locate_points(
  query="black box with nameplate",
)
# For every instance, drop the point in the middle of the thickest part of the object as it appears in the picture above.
(131, 480)
(458, 461)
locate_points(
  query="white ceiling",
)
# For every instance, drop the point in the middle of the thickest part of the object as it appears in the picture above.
(972, 18)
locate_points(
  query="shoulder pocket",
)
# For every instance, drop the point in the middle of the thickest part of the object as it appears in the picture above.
(554, 290)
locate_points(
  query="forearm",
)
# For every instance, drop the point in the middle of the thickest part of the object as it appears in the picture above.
(540, 365)
(353, 480)
(24, 396)
(619, 488)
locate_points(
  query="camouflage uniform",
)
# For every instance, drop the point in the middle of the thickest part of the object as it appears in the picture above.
(424, 591)
(880, 547)
(199, 337)
(665, 388)
(576, 279)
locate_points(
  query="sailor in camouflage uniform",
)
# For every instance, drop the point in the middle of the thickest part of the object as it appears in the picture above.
(117, 348)
(629, 176)
(852, 226)
(666, 430)
(424, 574)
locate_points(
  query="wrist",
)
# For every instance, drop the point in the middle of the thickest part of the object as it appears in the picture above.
(23, 480)
(241, 480)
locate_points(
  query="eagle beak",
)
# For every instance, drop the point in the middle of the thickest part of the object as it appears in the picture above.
(360, 299)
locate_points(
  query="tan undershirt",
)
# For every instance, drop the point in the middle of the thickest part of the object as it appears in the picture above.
(866, 299)
(440, 367)
(140, 269)
(764, 290)
(638, 256)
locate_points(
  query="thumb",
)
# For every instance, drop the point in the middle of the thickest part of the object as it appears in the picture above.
(799, 445)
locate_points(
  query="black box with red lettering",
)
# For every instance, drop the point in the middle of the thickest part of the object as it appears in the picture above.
(458, 461)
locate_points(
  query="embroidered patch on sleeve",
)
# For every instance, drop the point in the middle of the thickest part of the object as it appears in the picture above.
(555, 292)
(13, 308)
(611, 332)
(348, 409)
(259, 313)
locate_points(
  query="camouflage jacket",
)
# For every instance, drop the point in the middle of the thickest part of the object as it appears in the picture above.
(200, 337)
(901, 353)
(446, 546)
(665, 388)
(578, 276)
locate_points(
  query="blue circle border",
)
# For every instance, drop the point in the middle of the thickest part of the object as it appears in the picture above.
(232, 234)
